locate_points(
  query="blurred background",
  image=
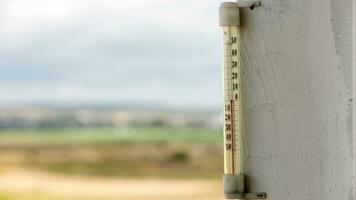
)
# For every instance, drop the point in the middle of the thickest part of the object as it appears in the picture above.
(110, 99)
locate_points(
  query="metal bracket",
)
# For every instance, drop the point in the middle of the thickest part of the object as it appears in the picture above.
(234, 188)
(249, 3)
(260, 195)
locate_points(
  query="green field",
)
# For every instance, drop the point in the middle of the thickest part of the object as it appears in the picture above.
(107, 136)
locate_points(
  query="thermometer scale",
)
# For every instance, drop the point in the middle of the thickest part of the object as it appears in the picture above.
(234, 178)
(232, 101)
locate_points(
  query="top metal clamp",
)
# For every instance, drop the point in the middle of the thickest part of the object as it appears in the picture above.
(248, 3)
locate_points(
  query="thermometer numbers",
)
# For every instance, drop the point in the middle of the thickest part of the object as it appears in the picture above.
(235, 86)
(233, 40)
(228, 147)
(227, 117)
(227, 107)
(234, 75)
(228, 127)
(234, 64)
(234, 69)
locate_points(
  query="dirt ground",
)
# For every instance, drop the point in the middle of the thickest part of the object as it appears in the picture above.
(22, 184)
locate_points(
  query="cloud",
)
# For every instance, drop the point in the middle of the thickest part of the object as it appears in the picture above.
(95, 51)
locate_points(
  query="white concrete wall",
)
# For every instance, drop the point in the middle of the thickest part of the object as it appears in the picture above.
(298, 88)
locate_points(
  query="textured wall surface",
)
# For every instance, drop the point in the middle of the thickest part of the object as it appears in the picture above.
(298, 99)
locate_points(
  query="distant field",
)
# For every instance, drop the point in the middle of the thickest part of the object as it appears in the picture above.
(107, 135)
(138, 152)
(108, 163)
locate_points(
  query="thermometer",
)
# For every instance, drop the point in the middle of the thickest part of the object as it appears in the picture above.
(232, 101)
(234, 178)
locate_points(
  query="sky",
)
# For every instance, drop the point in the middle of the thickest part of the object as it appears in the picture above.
(151, 52)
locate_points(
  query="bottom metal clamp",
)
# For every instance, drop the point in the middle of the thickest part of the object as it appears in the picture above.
(260, 195)
(234, 188)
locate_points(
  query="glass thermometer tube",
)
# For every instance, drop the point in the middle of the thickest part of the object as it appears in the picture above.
(233, 152)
